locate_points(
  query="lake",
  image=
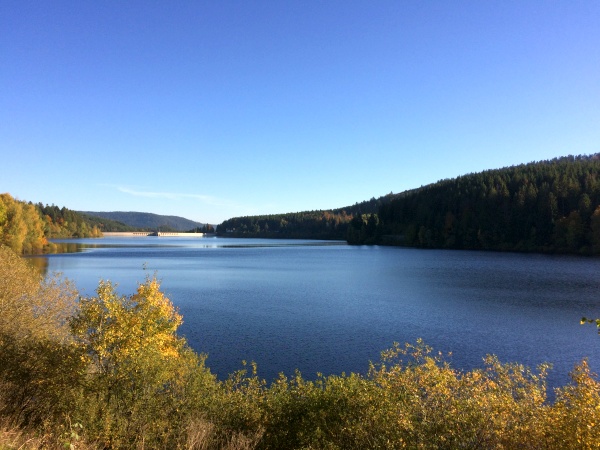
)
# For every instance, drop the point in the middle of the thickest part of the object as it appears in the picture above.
(328, 307)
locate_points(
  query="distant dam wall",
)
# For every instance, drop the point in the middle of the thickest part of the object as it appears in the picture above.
(150, 233)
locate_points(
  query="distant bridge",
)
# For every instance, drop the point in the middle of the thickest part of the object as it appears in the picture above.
(151, 233)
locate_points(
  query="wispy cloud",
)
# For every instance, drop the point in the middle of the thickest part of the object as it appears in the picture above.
(206, 199)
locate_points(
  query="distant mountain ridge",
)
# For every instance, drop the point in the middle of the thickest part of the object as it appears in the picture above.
(147, 221)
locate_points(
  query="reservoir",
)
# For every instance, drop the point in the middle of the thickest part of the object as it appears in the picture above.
(327, 307)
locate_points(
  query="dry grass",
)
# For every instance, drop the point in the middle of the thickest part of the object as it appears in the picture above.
(12, 438)
(202, 435)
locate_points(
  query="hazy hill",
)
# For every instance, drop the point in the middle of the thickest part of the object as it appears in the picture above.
(108, 225)
(147, 221)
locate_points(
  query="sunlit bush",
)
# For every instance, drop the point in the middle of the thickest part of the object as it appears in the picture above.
(141, 374)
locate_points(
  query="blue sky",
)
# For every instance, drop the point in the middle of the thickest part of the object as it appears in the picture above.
(210, 110)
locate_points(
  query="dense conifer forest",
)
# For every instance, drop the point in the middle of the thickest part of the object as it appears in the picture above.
(546, 206)
(329, 224)
(301, 225)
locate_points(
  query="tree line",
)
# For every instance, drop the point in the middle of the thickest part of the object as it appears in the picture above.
(547, 206)
(319, 224)
(206, 228)
(300, 225)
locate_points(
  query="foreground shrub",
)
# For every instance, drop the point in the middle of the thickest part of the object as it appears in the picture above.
(413, 399)
(574, 419)
(419, 402)
(435, 406)
(142, 377)
(31, 306)
(39, 368)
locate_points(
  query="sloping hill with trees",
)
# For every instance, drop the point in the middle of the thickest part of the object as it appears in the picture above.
(319, 224)
(300, 225)
(66, 223)
(547, 206)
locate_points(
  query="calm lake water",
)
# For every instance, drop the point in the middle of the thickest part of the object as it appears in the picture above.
(331, 308)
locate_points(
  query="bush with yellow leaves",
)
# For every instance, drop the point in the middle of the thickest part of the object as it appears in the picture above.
(141, 374)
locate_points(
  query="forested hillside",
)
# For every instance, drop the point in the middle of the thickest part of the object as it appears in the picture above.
(65, 223)
(26, 227)
(549, 206)
(301, 225)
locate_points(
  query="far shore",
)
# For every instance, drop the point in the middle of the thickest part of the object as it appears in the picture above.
(153, 233)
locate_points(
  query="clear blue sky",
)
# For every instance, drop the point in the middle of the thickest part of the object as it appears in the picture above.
(215, 109)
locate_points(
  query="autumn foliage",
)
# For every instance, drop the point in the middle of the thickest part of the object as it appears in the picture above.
(26, 228)
(110, 371)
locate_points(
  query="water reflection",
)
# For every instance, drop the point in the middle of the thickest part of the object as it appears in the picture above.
(66, 247)
(59, 246)
(40, 263)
